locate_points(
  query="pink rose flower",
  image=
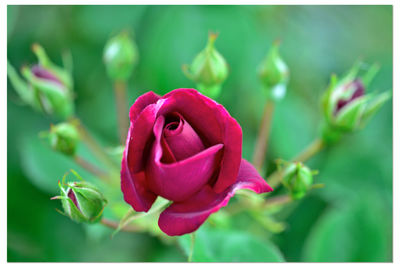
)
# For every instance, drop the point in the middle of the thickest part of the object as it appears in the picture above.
(184, 147)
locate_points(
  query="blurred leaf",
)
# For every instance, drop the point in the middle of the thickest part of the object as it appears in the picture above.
(351, 232)
(212, 245)
(43, 166)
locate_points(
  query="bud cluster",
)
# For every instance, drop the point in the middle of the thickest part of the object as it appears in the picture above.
(81, 201)
(208, 69)
(345, 104)
(297, 178)
(47, 87)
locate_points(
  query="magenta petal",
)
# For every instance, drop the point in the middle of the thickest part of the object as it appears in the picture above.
(214, 125)
(133, 180)
(185, 217)
(141, 103)
(179, 180)
(182, 140)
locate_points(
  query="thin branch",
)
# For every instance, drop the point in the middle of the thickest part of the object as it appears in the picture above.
(260, 150)
(276, 177)
(90, 167)
(114, 225)
(122, 113)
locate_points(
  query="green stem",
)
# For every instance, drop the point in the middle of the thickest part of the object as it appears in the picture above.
(91, 168)
(192, 239)
(276, 177)
(263, 136)
(114, 225)
(92, 144)
(122, 113)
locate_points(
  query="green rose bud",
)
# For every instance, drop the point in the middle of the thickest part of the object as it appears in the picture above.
(346, 105)
(47, 88)
(64, 138)
(81, 201)
(274, 74)
(208, 69)
(298, 179)
(120, 56)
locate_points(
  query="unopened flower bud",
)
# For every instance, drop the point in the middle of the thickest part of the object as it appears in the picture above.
(346, 105)
(208, 69)
(274, 74)
(47, 88)
(298, 179)
(64, 138)
(120, 56)
(81, 201)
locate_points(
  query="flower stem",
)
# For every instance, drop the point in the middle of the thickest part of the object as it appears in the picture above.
(263, 136)
(92, 144)
(90, 167)
(276, 177)
(115, 225)
(122, 114)
(278, 200)
(192, 239)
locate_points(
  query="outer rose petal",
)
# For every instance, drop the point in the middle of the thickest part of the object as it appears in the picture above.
(214, 125)
(185, 217)
(178, 181)
(133, 180)
(141, 103)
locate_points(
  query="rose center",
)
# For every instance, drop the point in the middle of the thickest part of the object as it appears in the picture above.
(179, 139)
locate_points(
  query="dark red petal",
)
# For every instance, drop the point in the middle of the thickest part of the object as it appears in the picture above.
(179, 180)
(185, 217)
(141, 103)
(212, 122)
(133, 179)
(182, 140)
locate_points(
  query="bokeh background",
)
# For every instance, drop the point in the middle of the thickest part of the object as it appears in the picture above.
(348, 220)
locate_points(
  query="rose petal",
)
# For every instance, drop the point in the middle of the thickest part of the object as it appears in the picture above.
(185, 217)
(133, 181)
(140, 104)
(212, 122)
(179, 180)
(182, 140)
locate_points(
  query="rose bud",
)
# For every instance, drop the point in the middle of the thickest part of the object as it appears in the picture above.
(208, 69)
(64, 138)
(274, 74)
(48, 88)
(346, 105)
(186, 148)
(298, 179)
(120, 56)
(81, 201)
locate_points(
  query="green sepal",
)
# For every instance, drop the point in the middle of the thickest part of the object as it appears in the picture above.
(208, 69)
(120, 56)
(348, 118)
(50, 96)
(20, 86)
(274, 74)
(373, 106)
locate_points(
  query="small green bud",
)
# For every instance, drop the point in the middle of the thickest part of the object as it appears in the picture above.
(64, 138)
(120, 56)
(47, 87)
(346, 105)
(208, 69)
(81, 201)
(298, 179)
(274, 74)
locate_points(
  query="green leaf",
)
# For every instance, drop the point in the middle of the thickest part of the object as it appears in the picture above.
(355, 232)
(45, 167)
(217, 245)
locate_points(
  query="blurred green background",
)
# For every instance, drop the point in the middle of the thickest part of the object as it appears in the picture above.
(348, 220)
